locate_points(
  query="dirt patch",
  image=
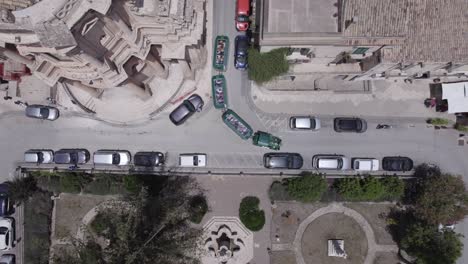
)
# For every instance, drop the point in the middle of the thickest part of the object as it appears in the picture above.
(286, 217)
(283, 257)
(334, 226)
(386, 258)
(70, 210)
(375, 214)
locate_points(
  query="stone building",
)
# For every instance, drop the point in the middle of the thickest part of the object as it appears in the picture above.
(94, 47)
(370, 39)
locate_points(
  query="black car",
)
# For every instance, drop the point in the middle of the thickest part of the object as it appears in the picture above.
(397, 164)
(240, 52)
(148, 159)
(72, 156)
(349, 124)
(188, 107)
(4, 200)
(282, 160)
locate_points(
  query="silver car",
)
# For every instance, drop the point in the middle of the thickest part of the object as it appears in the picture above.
(42, 112)
(39, 156)
(112, 157)
(304, 123)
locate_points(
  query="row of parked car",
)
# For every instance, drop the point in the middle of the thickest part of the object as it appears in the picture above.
(285, 160)
(340, 124)
(7, 225)
(109, 157)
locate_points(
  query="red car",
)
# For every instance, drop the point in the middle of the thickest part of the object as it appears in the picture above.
(242, 15)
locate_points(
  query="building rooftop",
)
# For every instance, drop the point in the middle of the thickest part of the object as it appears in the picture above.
(420, 30)
(301, 16)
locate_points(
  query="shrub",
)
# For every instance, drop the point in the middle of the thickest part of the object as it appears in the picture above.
(105, 184)
(101, 222)
(307, 188)
(197, 208)
(278, 191)
(370, 188)
(461, 128)
(263, 67)
(250, 214)
(438, 121)
(132, 183)
(21, 188)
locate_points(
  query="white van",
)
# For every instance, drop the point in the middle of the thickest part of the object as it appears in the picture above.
(192, 160)
(112, 157)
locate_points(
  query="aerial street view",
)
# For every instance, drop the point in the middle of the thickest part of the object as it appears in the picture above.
(234, 131)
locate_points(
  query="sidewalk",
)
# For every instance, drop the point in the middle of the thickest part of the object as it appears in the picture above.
(381, 98)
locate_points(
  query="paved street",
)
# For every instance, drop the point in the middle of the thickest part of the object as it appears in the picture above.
(206, 133)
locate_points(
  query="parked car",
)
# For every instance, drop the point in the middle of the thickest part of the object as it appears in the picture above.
(71, 156)
(39, 156)
(42, 112)
(240, 52)
(4, 200)
(242, 15)
(7, 259)
(365, 164)
(188, 107)
(6, 233)
(397, 164)
(330, 162)
(112, 157)
(447, 226)
(304, 123)
(148, 159)
(192, 160)
(349, 124)
(282, 160)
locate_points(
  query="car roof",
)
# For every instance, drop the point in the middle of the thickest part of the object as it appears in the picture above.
(302, 122)
(180, 113)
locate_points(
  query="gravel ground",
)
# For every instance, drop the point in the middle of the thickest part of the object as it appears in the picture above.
(375, 214)
(386, 258)
(334, 226)
(283, 257)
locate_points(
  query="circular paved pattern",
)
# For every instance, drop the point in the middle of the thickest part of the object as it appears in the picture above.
(336, 208)
(333, 226)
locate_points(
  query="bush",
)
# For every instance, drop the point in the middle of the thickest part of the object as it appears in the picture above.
(250, 214)
(263, 67)
(101, 222)
(105, 184)
(197, 208)
(278, 191)
(132, 183)
(461, 128)
(438, 121)
(307, 188)
(370, 188)
(21, 188)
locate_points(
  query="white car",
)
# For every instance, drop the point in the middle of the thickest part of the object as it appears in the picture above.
(192, 160)
(365, 164)
(39, 156)
(304, 123)
(112, 157)
(6, 233)
(330, 162)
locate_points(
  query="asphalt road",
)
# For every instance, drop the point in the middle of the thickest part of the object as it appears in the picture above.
(206, 133)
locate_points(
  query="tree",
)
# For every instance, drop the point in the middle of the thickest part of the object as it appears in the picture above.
(307, 188)
(429, 245)
(250, 214)
(264, 67)
(21, 188)
(197, 208)
(441, 198)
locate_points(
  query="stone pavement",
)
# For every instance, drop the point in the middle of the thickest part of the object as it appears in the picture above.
(379, 98)
(373, 247)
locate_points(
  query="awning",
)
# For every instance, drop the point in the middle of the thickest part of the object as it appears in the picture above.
(457, 96)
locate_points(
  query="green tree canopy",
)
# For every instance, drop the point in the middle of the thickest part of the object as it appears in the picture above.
(309, 187)
(265, 66)
(370, 188)
(431, 246)
(250, 214)
(441, 198)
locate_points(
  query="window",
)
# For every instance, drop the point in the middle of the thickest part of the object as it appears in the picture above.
(360, 50)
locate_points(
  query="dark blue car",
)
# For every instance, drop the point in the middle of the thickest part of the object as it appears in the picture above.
(240, 52)
(4, 200)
